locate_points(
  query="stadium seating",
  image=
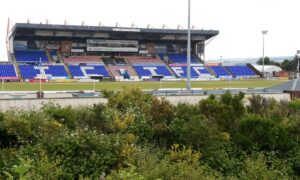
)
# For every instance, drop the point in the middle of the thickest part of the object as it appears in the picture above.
(80, 71)
(220, 71)
(54, 55)
(83, 59)
(196, 71)
(116, 70)
(31, 56)
(181, 59)
(8, 72)
(146, 71)
(161, 56)
(120, 61)
(241, 71)
(143, 60)
(109, 61)
(43, 71)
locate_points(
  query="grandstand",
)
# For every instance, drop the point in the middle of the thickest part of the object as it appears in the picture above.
(83, 52)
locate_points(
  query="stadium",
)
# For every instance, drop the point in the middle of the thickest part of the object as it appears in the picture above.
(81, 100)
(48, 58)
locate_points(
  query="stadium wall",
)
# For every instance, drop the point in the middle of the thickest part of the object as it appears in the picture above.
(35, 104)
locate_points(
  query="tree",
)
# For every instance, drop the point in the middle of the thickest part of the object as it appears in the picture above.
(224, 112)
(262, 134)
(258, 168)
(290, 65)
(268, 61)
(194, 131)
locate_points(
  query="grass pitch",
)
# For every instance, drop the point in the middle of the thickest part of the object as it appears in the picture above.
(50, 86)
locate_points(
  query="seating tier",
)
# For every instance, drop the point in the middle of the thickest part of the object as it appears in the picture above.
(31, 56)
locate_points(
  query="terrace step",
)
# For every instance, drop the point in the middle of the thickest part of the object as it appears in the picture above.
(13, 58)
(49, 57)
(61, 60)
(211, 71)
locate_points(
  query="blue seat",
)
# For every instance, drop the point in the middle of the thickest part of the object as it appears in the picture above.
(80, 71)
(7, 70)
(241, 71)
(31, 56)
(181, 59)
(51, 71)
(161, 56)
(196, 71)
(152, 70)
(220, 71)
(53, 53)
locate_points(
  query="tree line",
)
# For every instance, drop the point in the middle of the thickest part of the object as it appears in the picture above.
(287, 65)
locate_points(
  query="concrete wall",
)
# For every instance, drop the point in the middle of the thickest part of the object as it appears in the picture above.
(196, 99)
(35, 104)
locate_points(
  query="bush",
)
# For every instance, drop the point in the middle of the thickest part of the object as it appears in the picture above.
(263, 134)
(86, 153)
(132, 137)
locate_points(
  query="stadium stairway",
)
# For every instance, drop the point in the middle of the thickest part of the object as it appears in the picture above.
(210, 71)
(60, 57)
(109, 71)
(167, 65)
(228, 71)
(61, 60)
(126, 60)
(18, 71)
(49, 57)
(198, 59)
(169, 69)
(13, 58)
(68, 71)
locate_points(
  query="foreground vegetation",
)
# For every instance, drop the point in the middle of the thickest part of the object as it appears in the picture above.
(143, 85)
(138, 136)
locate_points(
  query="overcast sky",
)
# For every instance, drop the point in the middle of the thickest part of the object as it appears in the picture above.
(240, 22)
